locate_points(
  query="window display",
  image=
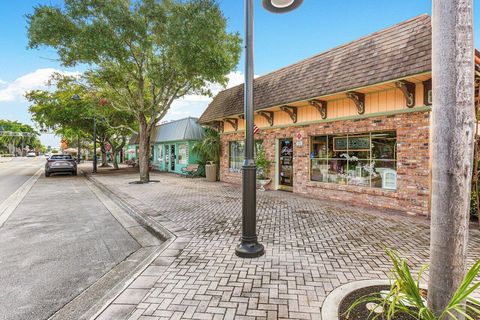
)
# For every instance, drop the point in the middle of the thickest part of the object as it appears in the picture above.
(182, 154)
(237, 153)
(367, 160)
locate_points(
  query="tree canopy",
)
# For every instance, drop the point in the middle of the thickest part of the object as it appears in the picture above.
(30, 140)
(70, 107)
(148, 53)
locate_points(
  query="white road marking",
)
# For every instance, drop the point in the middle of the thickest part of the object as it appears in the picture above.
(10, 204)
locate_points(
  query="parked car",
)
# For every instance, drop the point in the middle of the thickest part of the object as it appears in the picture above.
(60, 163)
(31, 154)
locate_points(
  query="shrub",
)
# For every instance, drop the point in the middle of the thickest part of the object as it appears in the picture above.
(405, 297)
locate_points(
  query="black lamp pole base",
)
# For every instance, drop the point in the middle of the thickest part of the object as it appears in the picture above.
(250, 250)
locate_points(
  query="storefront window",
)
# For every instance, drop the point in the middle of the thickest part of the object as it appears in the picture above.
(237, 152)
(368, 160)
(160, 153)
(182, 154)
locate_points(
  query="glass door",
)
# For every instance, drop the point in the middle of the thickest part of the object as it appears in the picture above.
(172, 157)
(286, 164)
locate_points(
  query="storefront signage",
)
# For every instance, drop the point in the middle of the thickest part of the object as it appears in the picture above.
(299, 137)
(351, 143)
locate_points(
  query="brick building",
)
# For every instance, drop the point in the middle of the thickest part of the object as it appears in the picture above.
(350, 124)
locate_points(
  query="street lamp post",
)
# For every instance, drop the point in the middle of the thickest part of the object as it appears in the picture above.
(76, 97)
(78, 149)
(249, 246)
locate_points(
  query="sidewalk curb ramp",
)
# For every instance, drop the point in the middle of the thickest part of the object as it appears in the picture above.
(153, 240)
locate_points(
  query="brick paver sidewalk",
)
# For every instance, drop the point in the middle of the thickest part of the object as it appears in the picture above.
(312, 247)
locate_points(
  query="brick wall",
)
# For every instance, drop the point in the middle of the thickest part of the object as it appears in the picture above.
(413, 179)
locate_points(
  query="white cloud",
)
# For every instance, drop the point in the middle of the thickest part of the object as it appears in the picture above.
(2, 82)
(194, 105)
(15, 91)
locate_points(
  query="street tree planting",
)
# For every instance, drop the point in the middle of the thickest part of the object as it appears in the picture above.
(148, 53)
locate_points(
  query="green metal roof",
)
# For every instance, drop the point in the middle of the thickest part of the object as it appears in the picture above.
(178, 130)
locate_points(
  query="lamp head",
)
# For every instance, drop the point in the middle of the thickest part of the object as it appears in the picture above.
(281, 6)
(76, 97)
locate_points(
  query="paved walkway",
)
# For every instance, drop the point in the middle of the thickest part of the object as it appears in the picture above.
(58, 242)
(312, 247)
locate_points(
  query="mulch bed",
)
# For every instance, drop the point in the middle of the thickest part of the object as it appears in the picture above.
(361, 312)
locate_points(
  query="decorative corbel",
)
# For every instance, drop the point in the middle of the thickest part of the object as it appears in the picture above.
(233, 122)
(267, 115)
(291, 111)
(321, 106)
(359, 99)
(217, 125)
(427, 92)
(408, 90)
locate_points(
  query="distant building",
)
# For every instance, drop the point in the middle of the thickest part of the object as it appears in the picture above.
(132, 147)
(171, 144)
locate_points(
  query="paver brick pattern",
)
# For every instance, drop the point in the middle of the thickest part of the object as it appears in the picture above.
(312, 247)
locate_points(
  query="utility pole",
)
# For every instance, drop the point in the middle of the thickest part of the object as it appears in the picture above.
(453, 131)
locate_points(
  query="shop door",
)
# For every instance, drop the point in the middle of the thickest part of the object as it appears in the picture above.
(285, 165)
(172, 157)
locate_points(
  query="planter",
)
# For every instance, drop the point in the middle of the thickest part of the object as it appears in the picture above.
(263, 183)
(332, 303)
(211, 171)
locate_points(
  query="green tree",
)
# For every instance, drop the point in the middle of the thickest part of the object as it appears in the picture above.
(73, 119)
(148, 52)
(26, 137)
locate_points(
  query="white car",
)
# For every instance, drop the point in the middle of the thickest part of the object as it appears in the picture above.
(31, 154)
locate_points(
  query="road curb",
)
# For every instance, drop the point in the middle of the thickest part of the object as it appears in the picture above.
(137, 210)
(147, 222)
(112, 284)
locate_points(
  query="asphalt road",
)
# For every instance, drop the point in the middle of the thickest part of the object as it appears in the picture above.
(15, 173)
(57, 242)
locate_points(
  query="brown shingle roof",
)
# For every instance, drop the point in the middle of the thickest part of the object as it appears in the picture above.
(396, 52)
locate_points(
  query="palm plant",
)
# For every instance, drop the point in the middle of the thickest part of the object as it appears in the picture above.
(405, 296)
(208, 149)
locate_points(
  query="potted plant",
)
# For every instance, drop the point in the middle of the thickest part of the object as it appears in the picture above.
(208, 151)
(263, 169)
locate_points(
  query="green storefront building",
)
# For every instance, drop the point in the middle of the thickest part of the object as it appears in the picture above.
(172, 144)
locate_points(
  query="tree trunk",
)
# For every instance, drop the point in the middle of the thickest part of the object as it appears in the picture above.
(144, 151)
(114, 160)
(103, 150)
(452, 146)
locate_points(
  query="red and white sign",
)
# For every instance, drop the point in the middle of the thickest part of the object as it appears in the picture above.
(299, 136)
(255, 129)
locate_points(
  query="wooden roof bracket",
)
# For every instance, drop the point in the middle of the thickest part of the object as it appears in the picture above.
(359, 99)
(321, 106)
(408, 90)
(291, 111)
(427, 92)
(233, 122)
(267, 115)
(217, 125)
(242, 116)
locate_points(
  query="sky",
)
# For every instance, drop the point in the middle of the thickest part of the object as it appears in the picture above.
(280, 40)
